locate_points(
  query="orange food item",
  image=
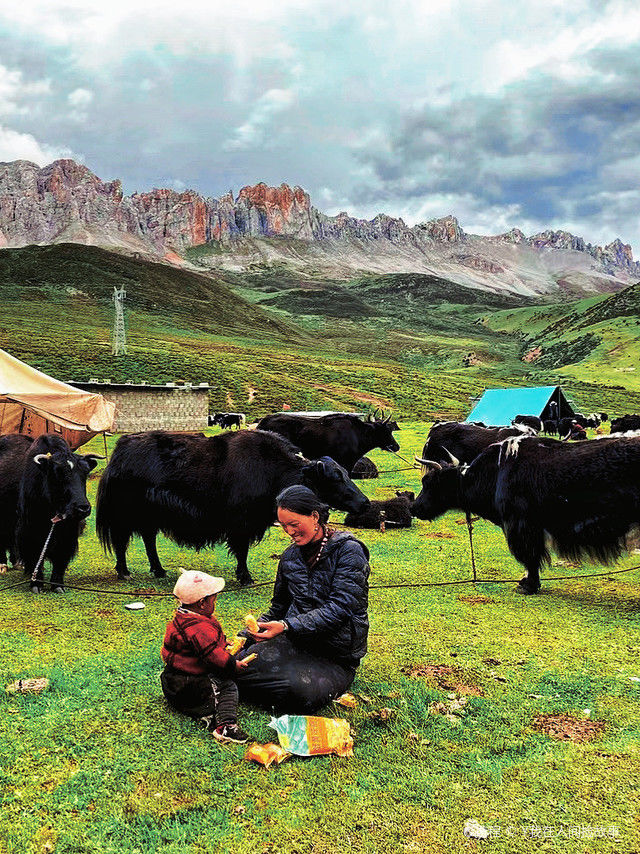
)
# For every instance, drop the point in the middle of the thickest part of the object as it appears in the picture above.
(251, 623)
(235, 644)
(250, 658)
(348, 701)
(266, 754)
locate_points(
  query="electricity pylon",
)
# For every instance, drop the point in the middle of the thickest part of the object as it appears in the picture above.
(119, 344)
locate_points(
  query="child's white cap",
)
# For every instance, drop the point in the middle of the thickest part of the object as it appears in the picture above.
(194, 585)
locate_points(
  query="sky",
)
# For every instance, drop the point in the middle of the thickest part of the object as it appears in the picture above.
(503, 113)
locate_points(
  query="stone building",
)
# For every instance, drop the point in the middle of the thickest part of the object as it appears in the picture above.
(172, 406)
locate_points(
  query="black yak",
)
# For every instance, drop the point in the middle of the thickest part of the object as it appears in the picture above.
(364, 469)
(582, 499)
(397, 513)
(344, 438)
(200, 491)
(53, 488)
(465, 441)
(13, 455)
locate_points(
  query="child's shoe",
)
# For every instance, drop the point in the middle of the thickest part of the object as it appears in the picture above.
(232, 733)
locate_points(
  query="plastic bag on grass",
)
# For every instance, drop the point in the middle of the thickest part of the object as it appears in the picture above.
(266, 754)
(313, 736)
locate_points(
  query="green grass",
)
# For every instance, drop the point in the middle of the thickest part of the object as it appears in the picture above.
(99, 763)
(272, 336)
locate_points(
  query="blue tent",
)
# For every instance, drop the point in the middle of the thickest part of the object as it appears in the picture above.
(499, 406)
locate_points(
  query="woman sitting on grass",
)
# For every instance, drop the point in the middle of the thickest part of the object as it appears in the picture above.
(312, 637)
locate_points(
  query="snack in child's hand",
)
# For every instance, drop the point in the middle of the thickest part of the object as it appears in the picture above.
(251, 623)
(265, 754)
(250, 658)
(235, 645)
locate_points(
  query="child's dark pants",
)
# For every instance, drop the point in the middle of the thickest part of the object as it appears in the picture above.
(201, 696)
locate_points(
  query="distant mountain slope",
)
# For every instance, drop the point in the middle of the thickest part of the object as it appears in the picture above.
(596, 339)
(66, 202)
(69, 270)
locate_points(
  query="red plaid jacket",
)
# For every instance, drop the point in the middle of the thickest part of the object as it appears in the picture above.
(195, 644)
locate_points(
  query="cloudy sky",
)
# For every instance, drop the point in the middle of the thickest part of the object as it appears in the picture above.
(502, 112)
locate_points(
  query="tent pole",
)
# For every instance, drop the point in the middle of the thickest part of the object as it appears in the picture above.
(104, 439)
(24, 414)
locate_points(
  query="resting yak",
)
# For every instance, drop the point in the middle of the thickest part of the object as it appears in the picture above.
(200, 491)
(581, 499)
(465, 441)
(397, 513)
(344, 438)
(51, 486)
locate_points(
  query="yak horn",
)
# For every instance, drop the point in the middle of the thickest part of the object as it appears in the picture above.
(94, 457)
(428, 464)
(39, 457)
(454, 460)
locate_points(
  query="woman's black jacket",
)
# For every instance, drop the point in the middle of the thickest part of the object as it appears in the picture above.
(325, 607)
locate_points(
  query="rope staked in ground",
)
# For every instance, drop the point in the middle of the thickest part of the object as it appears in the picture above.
(250, 587)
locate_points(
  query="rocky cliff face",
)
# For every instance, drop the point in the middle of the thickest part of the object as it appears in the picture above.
(65, 201)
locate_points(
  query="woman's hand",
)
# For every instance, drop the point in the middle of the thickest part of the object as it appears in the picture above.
(268, 630)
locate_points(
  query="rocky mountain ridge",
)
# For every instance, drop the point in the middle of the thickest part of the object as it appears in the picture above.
(66, 202)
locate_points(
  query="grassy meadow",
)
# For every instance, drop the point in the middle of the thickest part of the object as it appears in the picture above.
(99, 763)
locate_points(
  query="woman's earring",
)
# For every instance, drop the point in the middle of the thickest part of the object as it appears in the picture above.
(315, 530)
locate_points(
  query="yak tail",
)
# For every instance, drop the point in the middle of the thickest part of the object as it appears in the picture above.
(107, 510)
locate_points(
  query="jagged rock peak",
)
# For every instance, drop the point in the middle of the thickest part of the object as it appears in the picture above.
(445, 229)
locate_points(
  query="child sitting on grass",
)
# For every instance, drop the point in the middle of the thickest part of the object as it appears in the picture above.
(198, 678)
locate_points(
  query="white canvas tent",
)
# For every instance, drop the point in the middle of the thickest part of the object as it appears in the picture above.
(33, 403)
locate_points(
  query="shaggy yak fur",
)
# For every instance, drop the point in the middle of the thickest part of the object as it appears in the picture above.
(200, 491)
(53, 486)
(581, 499)
(464, 441)
(625, 423)
(397, 512)
(532, 421)
(13, 457)
(344, 438)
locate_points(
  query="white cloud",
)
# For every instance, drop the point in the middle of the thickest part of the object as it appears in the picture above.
(253, 131)
(80, 98)
(24, 146)
(15, 90)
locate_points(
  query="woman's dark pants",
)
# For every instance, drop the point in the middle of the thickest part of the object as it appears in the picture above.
(285, 679)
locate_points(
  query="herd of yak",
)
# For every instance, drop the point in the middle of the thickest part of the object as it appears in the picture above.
(581, 499)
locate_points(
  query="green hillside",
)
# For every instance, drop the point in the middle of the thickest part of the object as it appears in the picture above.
(595, 340)
(74, 274)
(416, 344)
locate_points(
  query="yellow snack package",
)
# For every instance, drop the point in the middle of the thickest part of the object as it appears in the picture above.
(235, 644)
(251, 623)
(312, 736)
(266, 754)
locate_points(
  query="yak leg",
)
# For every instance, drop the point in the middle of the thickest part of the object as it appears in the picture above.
(239, 548)
(149, 540)
(120, 541)
(57, 575)
(526, 544)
